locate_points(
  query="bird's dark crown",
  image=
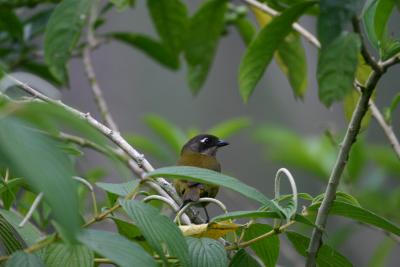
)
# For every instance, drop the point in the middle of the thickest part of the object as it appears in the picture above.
(204, 144)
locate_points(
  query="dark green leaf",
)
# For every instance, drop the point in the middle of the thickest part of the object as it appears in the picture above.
(62, 33)
(206, 252)
(50, 173)
(291, 58)
(127, 229)
(10, 23)
(266, 249)
(260, 52)
(333, 19)
(204, 31)
(169, 133)
(22, 259)
(10, 239)
(369, 12)
(337, 65)
(59, 254)
(229, 127)
(359, 214)
(171, 21)
(40, 70)
(119, 189)
(242, 258)
(150, 47)
(158, 230)
(327, 257)
(29, 233)
(36, 24)
(117, 248)
(246, 30)
(211, 177)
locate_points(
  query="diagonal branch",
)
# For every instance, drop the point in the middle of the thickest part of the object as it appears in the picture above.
(138, 164)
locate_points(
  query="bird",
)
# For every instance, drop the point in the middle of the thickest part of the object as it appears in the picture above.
(200, 151)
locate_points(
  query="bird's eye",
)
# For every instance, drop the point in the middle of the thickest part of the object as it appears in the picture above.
(205, 140)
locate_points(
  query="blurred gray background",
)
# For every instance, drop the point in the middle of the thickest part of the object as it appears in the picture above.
(135, 85)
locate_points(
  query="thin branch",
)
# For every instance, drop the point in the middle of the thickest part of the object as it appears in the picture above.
(168, 201)
(90, 187)
(89, 69)
(139, 165)
(261, 237)
(31, 210)
(334, 179)
(300, 29)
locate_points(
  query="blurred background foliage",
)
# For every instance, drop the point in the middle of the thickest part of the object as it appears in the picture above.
(146, 90)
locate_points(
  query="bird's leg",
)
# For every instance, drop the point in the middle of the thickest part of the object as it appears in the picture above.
(207, 217)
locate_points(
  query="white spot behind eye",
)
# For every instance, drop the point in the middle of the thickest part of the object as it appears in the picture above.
(205, 139)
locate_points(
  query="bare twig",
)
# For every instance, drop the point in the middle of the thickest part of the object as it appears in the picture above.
(93, 195)
(96, 90)
(32, 209)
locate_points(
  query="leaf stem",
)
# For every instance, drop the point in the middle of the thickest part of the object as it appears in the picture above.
(263, 236)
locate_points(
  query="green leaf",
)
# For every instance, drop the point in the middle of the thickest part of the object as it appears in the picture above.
(327, 257)
(368, 20)
(291, 59)
(158, 230)
(260, 52)
(122, 189)
(246, 30)
(121, 5)
(385, 158)
(258, 214)
(29, 233)
(266, 249)
(337, 65)
(36, 24)
(150, 47)
(10, 23)
(147, 146)
(389, 111)
(49, 173)
(206, 252)
(314, 155)
(23, 259)
(59, 254)
(62, 34)
(211, 177)
(204, 31)
(230, 127)
(333, 19)
(340, 196)
(40, 70)
(10, 240)
(381, 254)
(242, 258)
(171, 21)
(117, 248)
(359, 214)
(168, 133)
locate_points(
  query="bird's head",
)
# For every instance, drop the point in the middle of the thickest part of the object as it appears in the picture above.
(204, 144)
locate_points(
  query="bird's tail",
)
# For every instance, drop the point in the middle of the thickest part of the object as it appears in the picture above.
(192, 194)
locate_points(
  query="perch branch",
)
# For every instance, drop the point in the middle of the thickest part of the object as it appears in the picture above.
(138, 164)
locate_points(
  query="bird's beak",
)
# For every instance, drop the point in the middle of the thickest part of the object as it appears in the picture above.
(222, 143)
